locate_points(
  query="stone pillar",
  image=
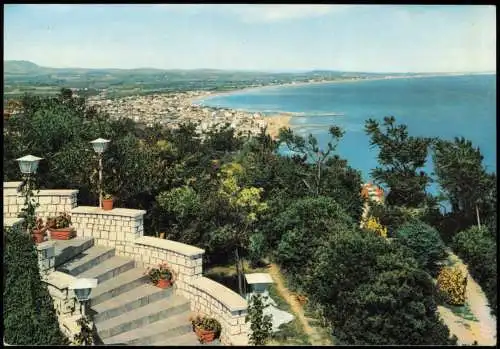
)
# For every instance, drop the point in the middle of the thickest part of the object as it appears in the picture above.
(46, 257)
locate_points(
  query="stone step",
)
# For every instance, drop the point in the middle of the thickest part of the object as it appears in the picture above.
(128, 301)
(108, 269)
(119, 284)
(87, 260)
(185, 339)
(162, 330)
(66, 250)
(143, 316)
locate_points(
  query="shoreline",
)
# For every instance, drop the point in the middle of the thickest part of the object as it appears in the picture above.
(278, 120)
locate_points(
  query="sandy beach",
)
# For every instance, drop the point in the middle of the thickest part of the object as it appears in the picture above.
(276, 122)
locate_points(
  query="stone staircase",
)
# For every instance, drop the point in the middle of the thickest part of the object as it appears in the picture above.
(126, 308)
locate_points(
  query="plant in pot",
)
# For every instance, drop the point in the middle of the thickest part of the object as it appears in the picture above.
(107, 202)
(60, 227)
(39, 231)
(207, 329)
(161, 276)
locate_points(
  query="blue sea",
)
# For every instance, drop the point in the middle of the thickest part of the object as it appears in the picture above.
(445, 107)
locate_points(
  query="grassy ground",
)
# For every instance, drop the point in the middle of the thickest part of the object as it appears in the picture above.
(291, 333)
(463, 311)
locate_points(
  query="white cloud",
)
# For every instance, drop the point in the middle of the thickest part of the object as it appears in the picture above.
(276, 13)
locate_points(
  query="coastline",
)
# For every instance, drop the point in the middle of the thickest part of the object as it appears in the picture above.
(278, 120)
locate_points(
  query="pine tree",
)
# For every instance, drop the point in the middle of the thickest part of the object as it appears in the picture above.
(29, 314)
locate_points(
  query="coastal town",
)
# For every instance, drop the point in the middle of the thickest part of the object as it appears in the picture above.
(172, 110)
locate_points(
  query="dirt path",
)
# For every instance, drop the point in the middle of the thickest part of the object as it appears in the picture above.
(314, 337)
(484, 330)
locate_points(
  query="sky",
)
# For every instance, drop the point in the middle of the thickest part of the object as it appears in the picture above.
(368, 38)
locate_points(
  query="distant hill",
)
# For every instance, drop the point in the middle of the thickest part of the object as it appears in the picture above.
(22, 67)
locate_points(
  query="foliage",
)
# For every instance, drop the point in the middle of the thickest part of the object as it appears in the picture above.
(62, 220)
(162, 272)
(400, 158)
(26, 300)
(461, 174)
(206, 323)
(30, 203)
(425, 243)
(107, 197)
(453, 283)
(374, 226)
(297, 232)
(479, 250)
(86, 335)
(381, 299)
(260, 324)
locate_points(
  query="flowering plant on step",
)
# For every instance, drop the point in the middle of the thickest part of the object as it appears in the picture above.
(162, 275)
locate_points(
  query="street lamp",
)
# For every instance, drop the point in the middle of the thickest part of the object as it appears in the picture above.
(28, 165)
(100, 146)
(82, 288)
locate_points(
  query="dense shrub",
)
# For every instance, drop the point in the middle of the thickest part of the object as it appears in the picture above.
(304, 226)
(478, 249)
(425, 243)
(29, 314)
(383, 298)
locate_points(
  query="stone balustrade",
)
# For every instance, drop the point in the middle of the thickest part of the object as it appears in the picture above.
(51, 201)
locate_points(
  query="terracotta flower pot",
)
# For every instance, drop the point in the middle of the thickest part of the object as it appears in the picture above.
(163, 283)
(204, 336)
(38, 236)
(62, 233)
(107, 204)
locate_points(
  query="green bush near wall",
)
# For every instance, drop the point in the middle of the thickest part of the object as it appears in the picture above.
(29, 317)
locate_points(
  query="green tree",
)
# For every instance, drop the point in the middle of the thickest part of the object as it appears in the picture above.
(383, 298)
(400, 158)
(301, 229)
(462, 176)
(425, 243)
(26, 300)
(260, 324)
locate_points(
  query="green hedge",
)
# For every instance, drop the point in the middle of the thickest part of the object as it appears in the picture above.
(29, 314)
(478, 249)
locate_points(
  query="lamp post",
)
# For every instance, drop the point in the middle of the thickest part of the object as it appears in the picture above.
(28, 165)
(82, 288)
(100, 146)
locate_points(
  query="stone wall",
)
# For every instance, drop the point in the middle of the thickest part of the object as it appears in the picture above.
(116, 228)
(51, 201)
(210, 298)
(123, 229)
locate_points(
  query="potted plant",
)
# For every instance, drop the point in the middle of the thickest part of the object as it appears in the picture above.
(206, 328)
(60, 227)
(162, 276)
(39, 231)
(107, 202)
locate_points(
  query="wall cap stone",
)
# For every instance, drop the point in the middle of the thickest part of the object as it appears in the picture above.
(184, 249)
(226, 296)
(12, 185)
(56, 192)
(59, 279)
(9, 222)
(123, 212)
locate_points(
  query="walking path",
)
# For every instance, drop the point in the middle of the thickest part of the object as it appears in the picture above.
(314, 337)
(484, 330)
